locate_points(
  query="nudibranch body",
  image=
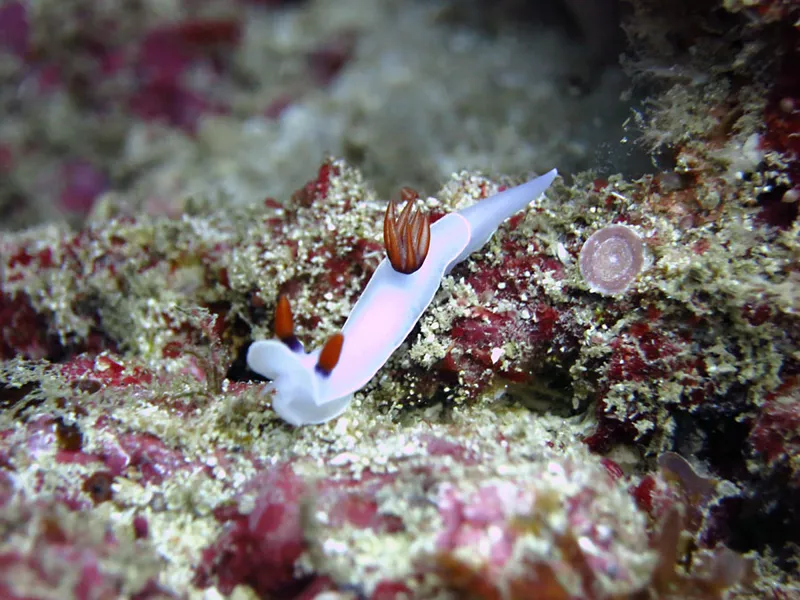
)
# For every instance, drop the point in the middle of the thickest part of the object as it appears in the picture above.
(311, 388)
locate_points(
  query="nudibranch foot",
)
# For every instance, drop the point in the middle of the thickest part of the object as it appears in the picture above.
(295, 383)
(315, 387)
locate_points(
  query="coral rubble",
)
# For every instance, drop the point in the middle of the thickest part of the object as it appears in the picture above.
(531, 438)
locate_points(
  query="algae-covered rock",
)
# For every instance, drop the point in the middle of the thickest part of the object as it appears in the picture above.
(168, 171)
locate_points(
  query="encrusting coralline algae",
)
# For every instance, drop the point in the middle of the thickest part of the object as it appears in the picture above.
(529, 438)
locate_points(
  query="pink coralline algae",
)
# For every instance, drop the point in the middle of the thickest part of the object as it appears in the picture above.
(611, 259)
(64, 557)
(776, 433)
(488, 530)
(81, 184)
(99, 418)
(134, 450)
(260, 548)
(14, 28)
(541, 529)
(107, 73)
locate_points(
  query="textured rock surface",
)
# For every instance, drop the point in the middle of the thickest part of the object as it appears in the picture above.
(530, 439)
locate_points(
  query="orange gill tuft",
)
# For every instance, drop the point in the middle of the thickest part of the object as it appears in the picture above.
(407, 237)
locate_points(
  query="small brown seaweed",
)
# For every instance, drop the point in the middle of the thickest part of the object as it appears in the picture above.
(706, 574)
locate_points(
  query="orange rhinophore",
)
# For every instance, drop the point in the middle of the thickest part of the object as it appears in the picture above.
(284, 323)
(330, 353)
(408, 237)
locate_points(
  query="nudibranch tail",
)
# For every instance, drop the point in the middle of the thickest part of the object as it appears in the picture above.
(407, 238)
(330, 354)
(485, 216)
(284, 324)
(295, 386)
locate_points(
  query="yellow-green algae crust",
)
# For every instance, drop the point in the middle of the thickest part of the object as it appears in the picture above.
(232, 419)
(235, 425)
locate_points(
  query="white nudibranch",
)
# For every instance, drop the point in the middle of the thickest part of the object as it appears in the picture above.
(315, 387)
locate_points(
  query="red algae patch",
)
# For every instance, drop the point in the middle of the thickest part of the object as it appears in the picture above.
(259, 549)
(433, 521)
(138, 425)
(136, 461)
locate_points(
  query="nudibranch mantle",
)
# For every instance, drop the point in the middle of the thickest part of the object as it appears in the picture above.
(383, 316)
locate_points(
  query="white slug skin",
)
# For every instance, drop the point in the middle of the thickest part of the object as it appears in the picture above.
(385, 313)
(390, 306)
(295, 383)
